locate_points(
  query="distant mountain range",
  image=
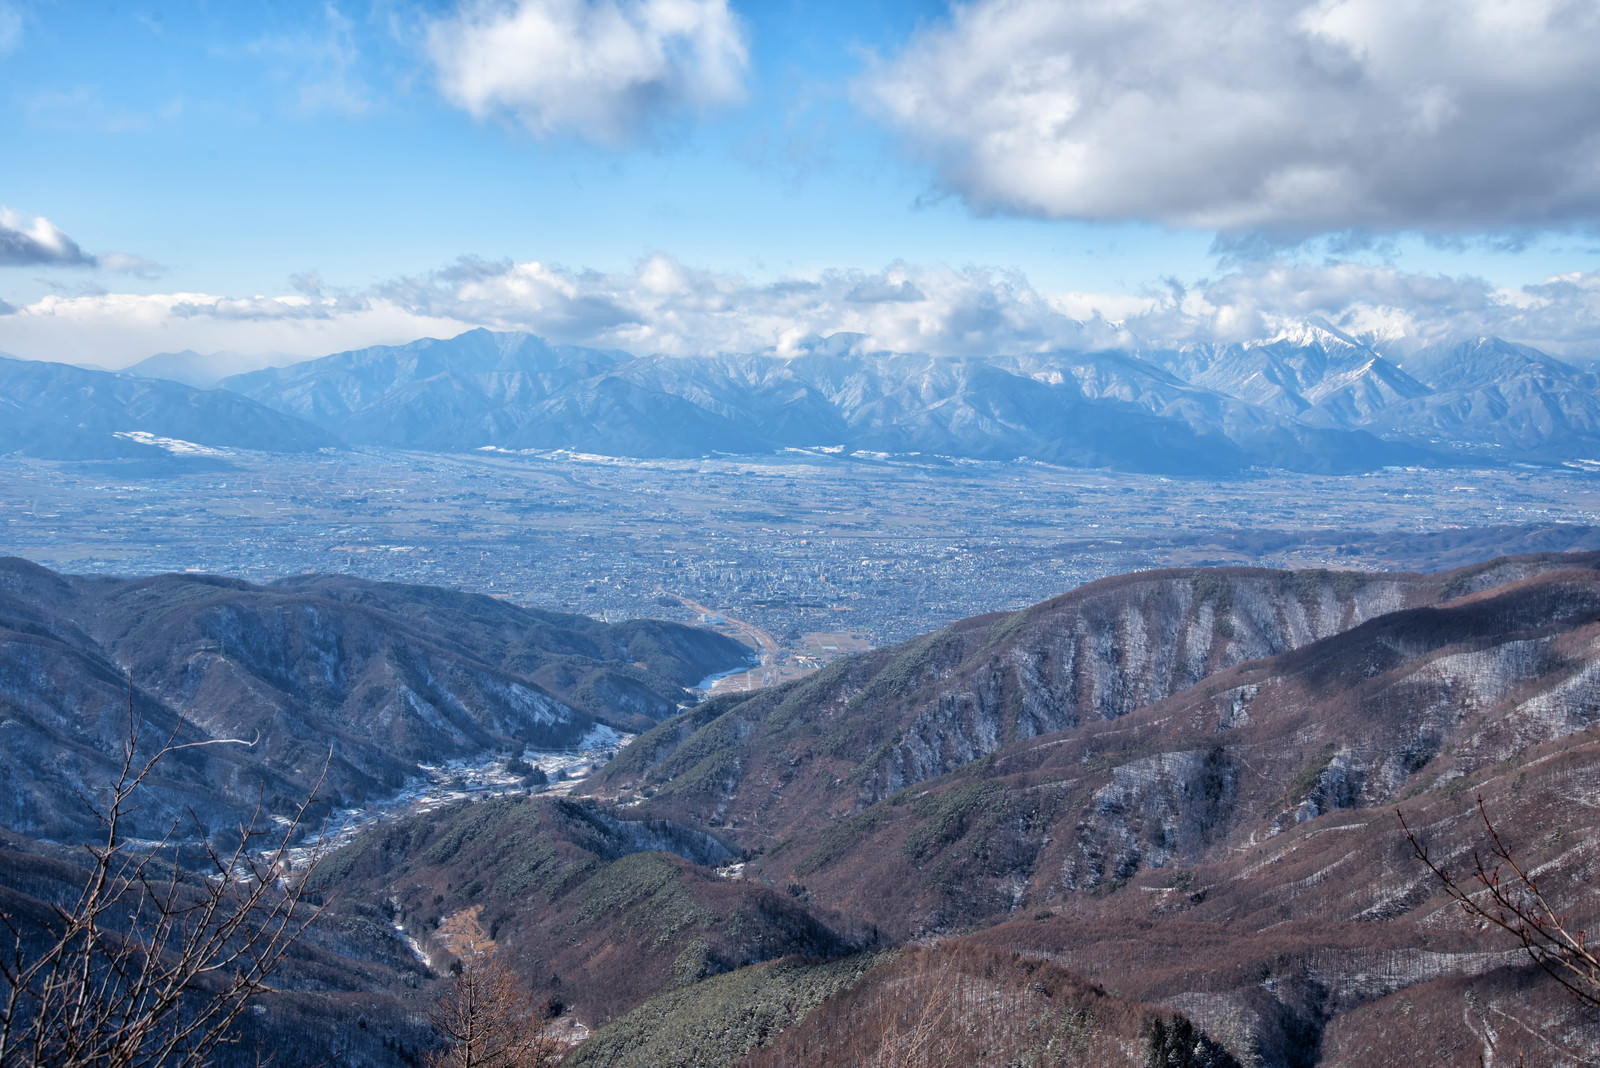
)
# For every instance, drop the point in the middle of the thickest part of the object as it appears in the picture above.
(1314, 400)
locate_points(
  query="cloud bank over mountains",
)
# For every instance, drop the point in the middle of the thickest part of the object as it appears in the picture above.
(1276, 115)
(665, 306)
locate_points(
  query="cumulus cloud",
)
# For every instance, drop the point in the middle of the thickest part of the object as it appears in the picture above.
(664, 306)
(660, 306)
(1293, 117)
(602, 70)
(267, 309)
(878, 291)
(1396, 310)
(34, 241)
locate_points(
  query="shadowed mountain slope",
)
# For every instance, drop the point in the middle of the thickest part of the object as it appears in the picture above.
(425, 394)
(888, 719)
(370, 678)
(1316, 375)
(1491, 397)
(1178, 786)
(1406, 701)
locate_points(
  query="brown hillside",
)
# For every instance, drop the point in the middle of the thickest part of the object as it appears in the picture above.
(964, 1003)
(1229, 849)
(595, 912)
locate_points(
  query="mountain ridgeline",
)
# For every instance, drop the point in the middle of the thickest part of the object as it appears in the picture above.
(1378, 677)
(1312, 400)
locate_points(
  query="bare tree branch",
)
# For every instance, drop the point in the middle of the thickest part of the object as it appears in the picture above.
(155, 960)
(1502, 892)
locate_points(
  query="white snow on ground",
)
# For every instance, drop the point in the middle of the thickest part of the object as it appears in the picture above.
(602, 737)
(705, 684)
(176, 446)
(415, 946)
(465, 780)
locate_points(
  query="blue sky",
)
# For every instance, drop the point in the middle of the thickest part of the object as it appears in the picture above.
(700, 175)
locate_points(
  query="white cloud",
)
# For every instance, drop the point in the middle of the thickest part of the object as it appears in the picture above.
(665, 306)
(1403, 311)
(661, 306)
(1281, 115)
(602, 70)
(34, 241)
(118, 329)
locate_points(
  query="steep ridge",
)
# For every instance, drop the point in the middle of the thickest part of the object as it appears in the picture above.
(1269, 434)
(66, 712)
(513, 391)
(1315, 374)
(894, 717)
(1329, 936)
(1212, 833)
(1490, 397)
(370, 678)
(1410, 700)
(424, 394)
(1311, 399)
(1105, 661)
(997, 409)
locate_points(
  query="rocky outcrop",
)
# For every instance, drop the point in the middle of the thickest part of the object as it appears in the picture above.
(878, 724)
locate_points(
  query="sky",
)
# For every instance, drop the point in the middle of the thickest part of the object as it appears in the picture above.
(289, 179)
